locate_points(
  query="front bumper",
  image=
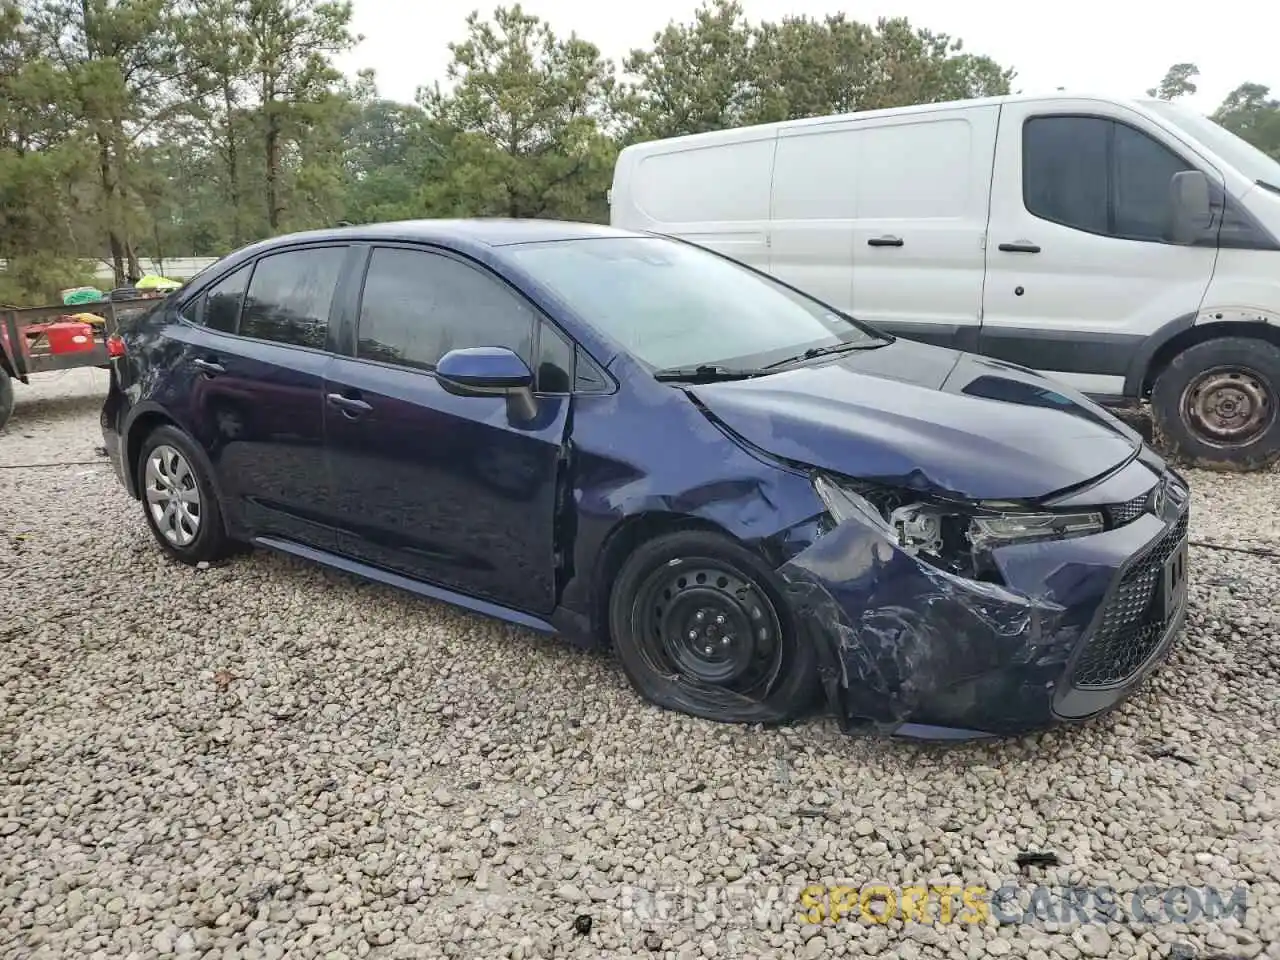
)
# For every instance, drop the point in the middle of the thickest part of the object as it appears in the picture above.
(1074, 628)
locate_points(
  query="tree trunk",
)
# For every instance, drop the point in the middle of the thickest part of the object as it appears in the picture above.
(131, 257)
(114, 237)
(274, 207)
(233, 170)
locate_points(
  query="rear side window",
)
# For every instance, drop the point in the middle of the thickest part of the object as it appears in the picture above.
(1098, 175)
(290, 295)
(417, 306)
(223, 302)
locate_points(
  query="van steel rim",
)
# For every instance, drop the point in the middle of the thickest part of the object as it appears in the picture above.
(1229, 406)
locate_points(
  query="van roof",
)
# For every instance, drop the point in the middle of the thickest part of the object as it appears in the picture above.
(763, 130)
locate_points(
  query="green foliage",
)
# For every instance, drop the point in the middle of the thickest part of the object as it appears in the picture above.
(168, 128)
(530, 112)
(1250, 112)
(1179, 81)
(697, 77)
(720, 70)
(33, 280)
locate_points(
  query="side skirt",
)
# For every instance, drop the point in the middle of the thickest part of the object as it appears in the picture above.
(431, 592)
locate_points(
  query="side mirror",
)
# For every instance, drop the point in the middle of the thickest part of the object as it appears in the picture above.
(1192, 211)
(489, 372)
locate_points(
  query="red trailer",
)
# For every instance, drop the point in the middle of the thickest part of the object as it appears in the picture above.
(62, 337)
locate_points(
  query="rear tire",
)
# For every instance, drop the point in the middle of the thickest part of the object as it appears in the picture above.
(178, 499)
(1217, 404)
(700, 625)
(6, 397)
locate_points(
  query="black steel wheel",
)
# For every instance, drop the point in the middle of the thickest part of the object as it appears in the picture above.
(700, 626)
(1217, 404)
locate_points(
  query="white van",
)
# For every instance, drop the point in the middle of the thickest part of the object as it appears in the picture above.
(1128, 248)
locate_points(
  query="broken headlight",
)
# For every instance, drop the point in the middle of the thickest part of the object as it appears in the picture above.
(953, 535)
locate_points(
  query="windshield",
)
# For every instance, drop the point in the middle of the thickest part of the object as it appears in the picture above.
(1241, 154)
(673, 305)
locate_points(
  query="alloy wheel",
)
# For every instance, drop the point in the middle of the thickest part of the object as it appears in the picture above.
(173, 496)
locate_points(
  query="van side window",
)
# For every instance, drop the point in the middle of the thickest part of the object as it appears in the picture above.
(1064, 171)
(1098, 175)
(1141, 174)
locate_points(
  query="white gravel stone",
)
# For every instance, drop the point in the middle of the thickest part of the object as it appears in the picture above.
(265, 759)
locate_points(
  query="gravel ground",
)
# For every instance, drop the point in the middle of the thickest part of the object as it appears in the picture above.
(266, 759)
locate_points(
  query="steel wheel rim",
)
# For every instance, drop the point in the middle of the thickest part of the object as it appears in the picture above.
(705, 625)
(173, 496)
(1230, 406)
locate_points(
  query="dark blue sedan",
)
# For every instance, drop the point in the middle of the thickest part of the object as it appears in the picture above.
(634, 442)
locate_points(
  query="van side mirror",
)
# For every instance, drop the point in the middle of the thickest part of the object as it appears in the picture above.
(489, 372)
(1192, 210)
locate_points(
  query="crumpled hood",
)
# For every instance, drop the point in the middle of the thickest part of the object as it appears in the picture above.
(927, 418)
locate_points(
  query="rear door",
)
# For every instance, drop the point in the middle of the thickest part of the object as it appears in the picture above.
(1080, 269)
(254, 358)
(430, 485)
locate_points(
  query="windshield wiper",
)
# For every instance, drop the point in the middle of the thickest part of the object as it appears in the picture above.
(827, 351)
(1267, 186)
(705, 373)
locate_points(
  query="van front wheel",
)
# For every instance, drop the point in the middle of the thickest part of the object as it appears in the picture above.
(1217, 404)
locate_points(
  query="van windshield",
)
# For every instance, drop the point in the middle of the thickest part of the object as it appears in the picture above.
(674, 305)
(1244, 156)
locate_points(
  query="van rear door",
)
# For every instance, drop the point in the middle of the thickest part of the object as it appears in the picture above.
(923, 188)
(711, 189)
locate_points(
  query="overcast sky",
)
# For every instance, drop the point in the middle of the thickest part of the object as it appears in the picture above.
(1118, 47)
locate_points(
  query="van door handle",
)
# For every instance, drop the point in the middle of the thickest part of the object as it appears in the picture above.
(209, 367)
(1022, 246)
(886, 241)
(351, 406)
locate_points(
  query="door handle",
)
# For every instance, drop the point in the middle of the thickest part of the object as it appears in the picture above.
(209, 367)
(1022, 246)
(886, 241)
(351, 406)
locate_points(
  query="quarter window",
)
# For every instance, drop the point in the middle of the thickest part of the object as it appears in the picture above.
(555, 361)
(222, 304)
(1098, 175)
(418, 306)
(290, 296)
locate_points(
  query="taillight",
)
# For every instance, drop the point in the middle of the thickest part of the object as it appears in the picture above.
(115, 346)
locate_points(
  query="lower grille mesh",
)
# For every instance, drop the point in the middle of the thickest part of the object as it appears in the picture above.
(1132, 623)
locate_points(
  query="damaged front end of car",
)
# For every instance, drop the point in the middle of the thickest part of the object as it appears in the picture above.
(939, 617)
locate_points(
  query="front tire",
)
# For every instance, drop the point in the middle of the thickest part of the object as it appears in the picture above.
(1217, 404)
(178, 498)
(700, 626)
